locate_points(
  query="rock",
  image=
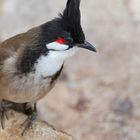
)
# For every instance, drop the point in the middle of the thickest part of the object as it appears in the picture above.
(39, 131)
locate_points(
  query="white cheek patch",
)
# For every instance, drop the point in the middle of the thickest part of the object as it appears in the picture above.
(57, 46)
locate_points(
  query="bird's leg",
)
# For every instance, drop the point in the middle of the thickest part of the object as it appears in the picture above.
(4, 106)
(32, 116)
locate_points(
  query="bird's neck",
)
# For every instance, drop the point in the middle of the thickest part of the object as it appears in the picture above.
(50, 64)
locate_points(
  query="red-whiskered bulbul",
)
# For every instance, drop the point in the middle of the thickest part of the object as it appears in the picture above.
(31, 62)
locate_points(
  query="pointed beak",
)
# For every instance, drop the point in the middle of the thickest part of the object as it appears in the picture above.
(87, 46)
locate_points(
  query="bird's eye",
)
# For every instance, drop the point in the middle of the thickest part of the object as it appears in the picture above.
(69, 40)
(61, 40)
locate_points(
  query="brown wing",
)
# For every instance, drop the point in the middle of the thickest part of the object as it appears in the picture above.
(15, 45)
(18, 42)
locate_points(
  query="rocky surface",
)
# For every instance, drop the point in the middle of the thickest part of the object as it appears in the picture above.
(97, 97)
(39, 131)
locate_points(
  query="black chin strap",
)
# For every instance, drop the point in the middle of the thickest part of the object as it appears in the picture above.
(62, 50)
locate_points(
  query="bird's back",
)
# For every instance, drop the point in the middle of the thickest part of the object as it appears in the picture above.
(10, 46)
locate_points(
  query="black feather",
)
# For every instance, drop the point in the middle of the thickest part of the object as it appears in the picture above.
(68, 25)
(71, 20)
(29, 58)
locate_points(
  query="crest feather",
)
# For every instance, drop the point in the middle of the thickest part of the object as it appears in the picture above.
(71, 19)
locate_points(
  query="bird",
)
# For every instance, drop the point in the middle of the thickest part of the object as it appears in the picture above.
(31, 62)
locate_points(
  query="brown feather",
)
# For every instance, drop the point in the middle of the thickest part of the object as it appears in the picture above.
(14, 87)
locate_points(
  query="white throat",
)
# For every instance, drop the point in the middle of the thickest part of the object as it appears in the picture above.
(48, 65)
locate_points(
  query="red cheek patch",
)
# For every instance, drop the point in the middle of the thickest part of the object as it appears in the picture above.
(60, 40)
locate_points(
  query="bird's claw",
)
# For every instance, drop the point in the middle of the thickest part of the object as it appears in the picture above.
(4, 105)
(28, 123)
(3, 116)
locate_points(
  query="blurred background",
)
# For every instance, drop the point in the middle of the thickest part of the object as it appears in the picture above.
(98, 94)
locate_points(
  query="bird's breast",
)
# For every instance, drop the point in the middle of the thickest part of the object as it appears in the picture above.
(22, 88)
(31, 86)
(47, 66)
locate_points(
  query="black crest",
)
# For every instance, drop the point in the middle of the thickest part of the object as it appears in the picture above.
(71, 20)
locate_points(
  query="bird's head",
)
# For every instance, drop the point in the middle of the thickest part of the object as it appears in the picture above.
(65, 32)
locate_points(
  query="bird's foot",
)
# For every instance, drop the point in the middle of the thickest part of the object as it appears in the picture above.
(28, 123)
(4, 105)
